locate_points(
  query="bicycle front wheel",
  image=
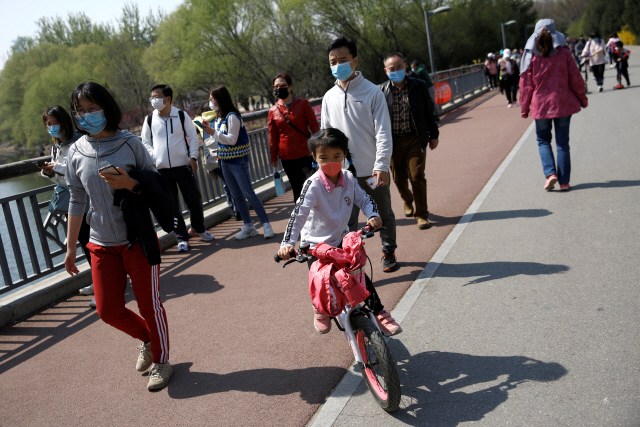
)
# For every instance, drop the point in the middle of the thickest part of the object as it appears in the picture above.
(379, 368)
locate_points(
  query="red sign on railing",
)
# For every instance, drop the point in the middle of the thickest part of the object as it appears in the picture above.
(443, 93)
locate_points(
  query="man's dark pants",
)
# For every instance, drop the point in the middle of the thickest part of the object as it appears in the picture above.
(382, 197)
(181, 177)
(407, 165)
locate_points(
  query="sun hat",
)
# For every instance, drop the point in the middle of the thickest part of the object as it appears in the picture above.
(530, 48)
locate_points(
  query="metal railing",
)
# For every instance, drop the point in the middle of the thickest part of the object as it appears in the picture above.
(35, 245)
(463, 81)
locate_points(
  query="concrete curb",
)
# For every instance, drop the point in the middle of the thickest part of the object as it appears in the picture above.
(24, 302)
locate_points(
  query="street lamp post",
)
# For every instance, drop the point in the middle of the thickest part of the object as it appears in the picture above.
(504, 39)
(427, 14)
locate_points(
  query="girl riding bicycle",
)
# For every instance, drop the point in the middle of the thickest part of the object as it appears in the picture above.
(323, 209)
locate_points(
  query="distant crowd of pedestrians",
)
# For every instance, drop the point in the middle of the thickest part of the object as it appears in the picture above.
(108, 181)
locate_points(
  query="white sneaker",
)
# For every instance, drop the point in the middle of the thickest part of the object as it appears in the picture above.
(600, 89)
(612, 66)
(87, 290)
(206, 236)
(92, 304)
(145, 358)
(183, 246)
(246, 232)
(509, 105)
(515, 104)
(268, 231)
(159, 375)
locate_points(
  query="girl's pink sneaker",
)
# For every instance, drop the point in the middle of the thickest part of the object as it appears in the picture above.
(321, 321)
(551, 182)
(564, 187)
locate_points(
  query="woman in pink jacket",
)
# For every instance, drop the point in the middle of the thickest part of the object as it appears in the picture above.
(552, 90)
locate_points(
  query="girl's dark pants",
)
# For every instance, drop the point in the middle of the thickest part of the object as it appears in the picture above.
(373, 301)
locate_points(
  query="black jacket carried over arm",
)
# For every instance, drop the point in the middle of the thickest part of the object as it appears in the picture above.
(421, 107)
(154, 196)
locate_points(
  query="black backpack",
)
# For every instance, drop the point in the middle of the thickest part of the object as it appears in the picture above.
(181, 115)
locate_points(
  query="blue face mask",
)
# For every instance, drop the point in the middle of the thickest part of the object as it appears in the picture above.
(54, 131)
(342, 71)
(92, 123)
(396, 76)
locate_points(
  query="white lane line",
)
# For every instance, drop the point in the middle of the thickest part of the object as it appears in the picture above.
(336, 402)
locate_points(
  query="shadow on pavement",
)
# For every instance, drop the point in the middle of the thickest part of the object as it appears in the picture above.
(608, 184)
(186, 384)
(443, 221)
(445, 389)
(496, 270)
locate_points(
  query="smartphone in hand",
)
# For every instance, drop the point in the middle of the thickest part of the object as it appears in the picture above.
(41, 163)
(199, 124)
(372, 182)
(109, 170)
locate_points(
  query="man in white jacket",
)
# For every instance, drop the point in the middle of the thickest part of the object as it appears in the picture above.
(358, 108)
(170, 137)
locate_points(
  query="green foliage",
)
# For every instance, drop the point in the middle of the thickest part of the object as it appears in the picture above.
(632, 15)
(604, 16)
(43, 70)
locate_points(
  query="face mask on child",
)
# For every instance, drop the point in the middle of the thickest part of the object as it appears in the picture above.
(331, 168)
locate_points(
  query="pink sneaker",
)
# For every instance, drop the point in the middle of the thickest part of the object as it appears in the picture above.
(388, 325)
(564, 187)
(551, 182)
(321, 322)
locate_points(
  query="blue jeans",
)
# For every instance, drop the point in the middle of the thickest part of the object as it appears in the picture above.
(543, 132)
(239, 182)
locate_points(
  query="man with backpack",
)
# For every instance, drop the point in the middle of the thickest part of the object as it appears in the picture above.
(170, 137)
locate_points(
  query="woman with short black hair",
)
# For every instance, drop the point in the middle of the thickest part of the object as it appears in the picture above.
(98, 165)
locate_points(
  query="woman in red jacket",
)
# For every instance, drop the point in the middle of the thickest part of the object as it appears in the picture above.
(291, 124)
(552, 90)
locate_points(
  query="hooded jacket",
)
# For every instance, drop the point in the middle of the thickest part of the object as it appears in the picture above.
(552, 87)
(170, 147)
(361, 112)
(84, 159)
(285, 142)
(421, 108)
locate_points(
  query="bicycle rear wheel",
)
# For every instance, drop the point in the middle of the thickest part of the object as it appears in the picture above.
(379, 368)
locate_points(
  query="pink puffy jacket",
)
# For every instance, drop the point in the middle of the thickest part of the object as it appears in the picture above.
(337, 277)
(552, 87)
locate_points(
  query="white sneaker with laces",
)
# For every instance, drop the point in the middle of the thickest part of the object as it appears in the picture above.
(206, 236)
(145, 358)
(87, 290)
(92, 304)
(246, 232)
(183, 246)
(268, 231)
(159, 375)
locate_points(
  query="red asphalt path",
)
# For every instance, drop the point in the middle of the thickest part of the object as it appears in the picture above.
(242, 341)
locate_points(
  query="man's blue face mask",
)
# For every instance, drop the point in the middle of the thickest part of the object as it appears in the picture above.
(396, 76)
(342, 71)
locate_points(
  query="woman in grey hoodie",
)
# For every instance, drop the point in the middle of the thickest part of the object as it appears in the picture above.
(98, 165)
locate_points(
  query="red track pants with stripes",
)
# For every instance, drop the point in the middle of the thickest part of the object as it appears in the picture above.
(110, 266)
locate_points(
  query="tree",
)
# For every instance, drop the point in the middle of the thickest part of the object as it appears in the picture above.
(632, 15)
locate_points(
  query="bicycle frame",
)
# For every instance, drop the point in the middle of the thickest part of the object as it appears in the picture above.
(344, 321)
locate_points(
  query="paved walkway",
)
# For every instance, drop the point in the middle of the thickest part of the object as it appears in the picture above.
(245, 352)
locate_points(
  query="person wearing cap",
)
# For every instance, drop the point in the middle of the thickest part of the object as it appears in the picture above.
(491, 69)
(552, 91)
(509, 76)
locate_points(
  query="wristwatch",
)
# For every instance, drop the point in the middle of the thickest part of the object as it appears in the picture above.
(136, 188)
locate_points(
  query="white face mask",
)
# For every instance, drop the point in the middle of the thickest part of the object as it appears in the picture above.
(213, 105)
(157, 103)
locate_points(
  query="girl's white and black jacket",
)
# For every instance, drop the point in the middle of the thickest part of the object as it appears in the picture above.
(59, 157)
(323, 210)
(169, 146)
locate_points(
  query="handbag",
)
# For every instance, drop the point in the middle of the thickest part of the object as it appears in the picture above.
(279, 184)
(60, 200)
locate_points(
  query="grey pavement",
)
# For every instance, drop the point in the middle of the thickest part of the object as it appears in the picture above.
(532, 317)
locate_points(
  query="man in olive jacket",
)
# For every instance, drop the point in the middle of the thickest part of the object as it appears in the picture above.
(414, 127)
